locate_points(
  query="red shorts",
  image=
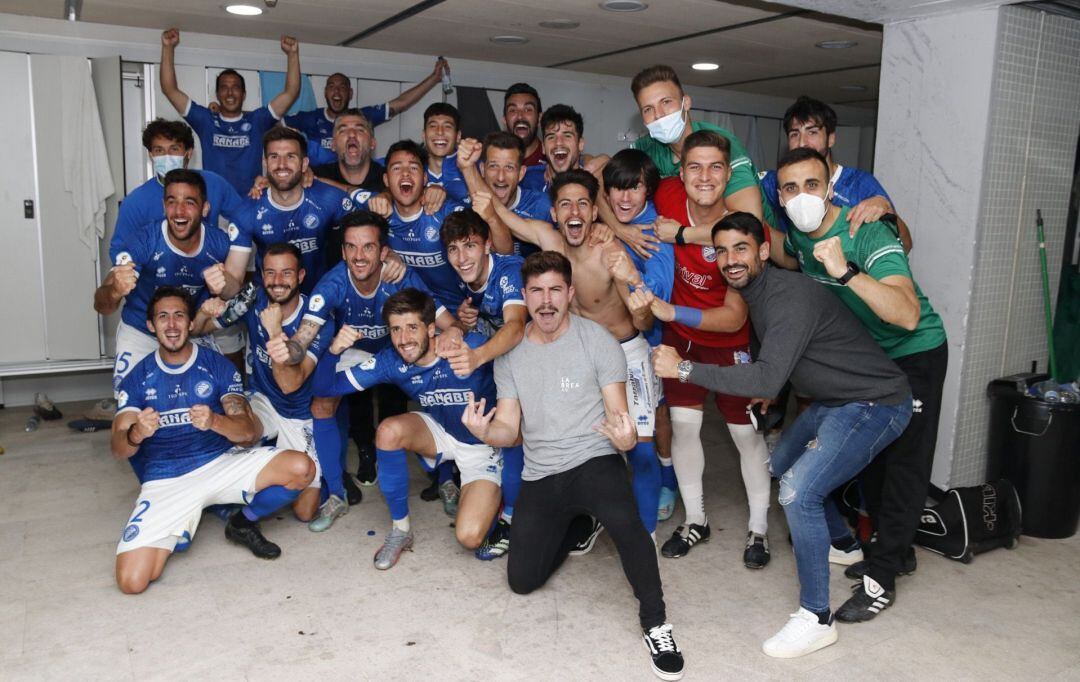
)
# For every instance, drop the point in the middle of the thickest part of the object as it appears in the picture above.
(678, 394)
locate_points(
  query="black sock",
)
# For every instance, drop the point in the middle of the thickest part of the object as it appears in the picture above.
(823, 617)
(845, 544)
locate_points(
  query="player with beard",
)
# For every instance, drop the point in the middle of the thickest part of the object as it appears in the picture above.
(288, 212)
(318, 124)
(599, 275)
(562, 137)
(521, 118)
(436, 434)
(441, 137)
(182, 410)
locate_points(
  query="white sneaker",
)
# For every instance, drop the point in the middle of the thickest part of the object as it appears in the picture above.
(842, 558)
(802, 635)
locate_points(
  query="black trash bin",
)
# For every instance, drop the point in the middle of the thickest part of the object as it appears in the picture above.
(1036, 445)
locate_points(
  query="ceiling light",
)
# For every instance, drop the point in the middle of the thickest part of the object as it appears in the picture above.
(623, 5)
(705, 66)
(509, 40)
(244, 10)
(560, 24)
(836, 44)
(853, 87)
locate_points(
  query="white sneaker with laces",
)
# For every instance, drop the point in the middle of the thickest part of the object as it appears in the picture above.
(845, 558)
(802, 635)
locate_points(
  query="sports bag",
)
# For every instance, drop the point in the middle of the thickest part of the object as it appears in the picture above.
(971, 521)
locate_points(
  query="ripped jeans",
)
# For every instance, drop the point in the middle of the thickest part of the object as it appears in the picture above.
(822, 449)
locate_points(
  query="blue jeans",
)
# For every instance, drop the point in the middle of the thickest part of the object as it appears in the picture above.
(822, 449)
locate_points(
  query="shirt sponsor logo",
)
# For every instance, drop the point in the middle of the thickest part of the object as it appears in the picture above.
(267, 228)
(160, 271)
(151, 393)
(694, 279)
(261, 212)
(566, 385)
(306, 245)
(445, 396)
(231, 141)
(181, 417)
(422, 260)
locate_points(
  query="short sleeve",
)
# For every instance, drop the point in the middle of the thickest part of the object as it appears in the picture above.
(325, 298)
(789, 247)
(129, 396)
(131, 247)
(265, 117)
(880, 253)
(742, 169)
(229, 378)
(373, 371)
(321, 342)
(231, 205)
(360, 198)
(200, 118)
(608, 356)
(510, 287)
(504, 378)
(377, 113)
(240, 231)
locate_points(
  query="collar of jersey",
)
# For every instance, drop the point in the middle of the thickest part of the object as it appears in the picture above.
(270, 200)
(165, 234)
(182, 368)
(232, 120)
(517, 198)
(366, 297)
(410, 219)
(295, 313)
(487, 281)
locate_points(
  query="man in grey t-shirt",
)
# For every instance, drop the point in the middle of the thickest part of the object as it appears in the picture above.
(563, 389)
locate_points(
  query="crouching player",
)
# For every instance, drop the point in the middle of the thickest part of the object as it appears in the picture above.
(183, 408)
(436, 434)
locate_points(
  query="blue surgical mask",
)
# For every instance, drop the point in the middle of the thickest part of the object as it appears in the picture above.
(165, 163)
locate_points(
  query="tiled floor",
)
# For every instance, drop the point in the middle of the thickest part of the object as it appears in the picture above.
(322, 608)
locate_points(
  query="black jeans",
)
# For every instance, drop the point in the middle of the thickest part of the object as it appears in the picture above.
(896, 483)
(391, 401)
(545, 508)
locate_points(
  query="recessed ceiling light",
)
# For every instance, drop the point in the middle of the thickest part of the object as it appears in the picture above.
(509, 40)
(244, 10)
(853, 87)
(836, 44)
(705, 66)
(623, 5)
(560, 24)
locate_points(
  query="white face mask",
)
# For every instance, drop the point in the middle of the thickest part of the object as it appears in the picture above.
(165, 163)
(668, 129)
(806, 211)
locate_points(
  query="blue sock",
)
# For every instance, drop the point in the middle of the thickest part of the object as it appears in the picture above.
(342, 417)
(269, 500)
(513, 464)
(646, 482)
(328, 450)
(446, 472)
(394, 481)
(667, 474)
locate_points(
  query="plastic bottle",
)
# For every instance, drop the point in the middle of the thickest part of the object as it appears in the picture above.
(447, 86)
(1068, 393)
(32, 423)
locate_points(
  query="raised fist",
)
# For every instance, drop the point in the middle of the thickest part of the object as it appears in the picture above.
(147, 422)
(170, 38)
(214, 276)
(124, 279)
(277, 349)
(468, 152)
(202, 417)
(345, 339)
(289, 45)
(271, 318)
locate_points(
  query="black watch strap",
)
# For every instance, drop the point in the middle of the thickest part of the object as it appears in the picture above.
(680, 239)
(852, 270)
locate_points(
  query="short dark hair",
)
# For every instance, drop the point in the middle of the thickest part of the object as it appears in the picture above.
(285, 133)
(409, 147)
(521, 89)
(574, 176)
(541, 262)
(800, 154)
(282, 248)
(461, 225)
(352, 111)
(185, 176)
(629, 167)
(176, 131)
(741, 221)
(409, 301)
(443, 109)
(706, 138)
(562, 113)
(367, 219)
(810, 110)
(501, 139)
(230, 72)
(170, 291)
(338, 73)
(654, 74)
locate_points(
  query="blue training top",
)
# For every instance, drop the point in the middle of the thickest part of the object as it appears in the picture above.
(146, 204)
(318, 128)
(231, 147)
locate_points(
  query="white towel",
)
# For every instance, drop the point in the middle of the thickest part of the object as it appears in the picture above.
(87, 176)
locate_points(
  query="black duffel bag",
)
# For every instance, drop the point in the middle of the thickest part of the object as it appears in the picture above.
(970, 521)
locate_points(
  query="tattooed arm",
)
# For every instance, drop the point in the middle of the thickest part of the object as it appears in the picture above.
(301, 341)
(237, 424)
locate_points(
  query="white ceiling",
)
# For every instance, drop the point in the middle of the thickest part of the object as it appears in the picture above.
(776, 56)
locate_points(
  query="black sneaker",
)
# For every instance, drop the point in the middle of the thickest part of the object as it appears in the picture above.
(585, 544)
(247, 533)
(869, 599)
(352, 491)
(367, 472)
(431, 493)
(857, 570)
(679, 545)
(667, 660)
(756, 554)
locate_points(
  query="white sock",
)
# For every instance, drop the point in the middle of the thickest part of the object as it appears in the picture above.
(688, 458)
(509, 518)
(402, 524)
(754, 461)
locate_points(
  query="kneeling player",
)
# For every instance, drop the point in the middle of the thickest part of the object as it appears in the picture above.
(437, 433)
(183, 408)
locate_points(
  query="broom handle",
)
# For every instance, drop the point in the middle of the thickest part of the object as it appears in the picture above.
(1046, 295)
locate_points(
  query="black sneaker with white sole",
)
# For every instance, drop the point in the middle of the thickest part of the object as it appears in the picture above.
(683, 539)
(860, 568)
(588, 538)
(667, 660)
(867, 601)
(756, 554)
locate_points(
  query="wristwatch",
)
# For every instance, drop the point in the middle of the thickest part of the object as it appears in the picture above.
(852, 270)
(685, 367)
(679, 238)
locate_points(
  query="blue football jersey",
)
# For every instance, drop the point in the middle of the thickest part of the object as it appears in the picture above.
(319, 128)
(145, 204)
(439, 391)
(159, 263)
(306, 224)
(450, 179)
(658, 272)
(852, 187)
(534, 178)
(231, 147)
(530, 205)
(418, 241)
(503, 288)
(336, 298)
(178, 447)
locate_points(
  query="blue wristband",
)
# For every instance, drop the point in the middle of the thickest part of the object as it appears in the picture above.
(691, 317)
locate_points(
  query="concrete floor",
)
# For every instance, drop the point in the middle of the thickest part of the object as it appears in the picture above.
(219, 613)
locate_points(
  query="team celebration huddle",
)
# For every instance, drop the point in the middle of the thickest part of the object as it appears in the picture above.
(539, 328)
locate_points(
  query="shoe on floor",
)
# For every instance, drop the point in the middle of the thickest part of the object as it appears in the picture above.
(756, 554)
(683, 539)
(860, 568)
(329, 512)
(396, 542)
(367, 472)
(588, 540)
(667, 660)
(44, 408)
(868, 599)
(666, 507)
(352, 492)
(496, 544)
(450, 494)
(102, 410)
(842, 557)
(431, 493)
(244, 532)
(802, 635)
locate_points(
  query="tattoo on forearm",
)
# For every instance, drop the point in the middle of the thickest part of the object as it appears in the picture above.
(300, 341)
(234, 405)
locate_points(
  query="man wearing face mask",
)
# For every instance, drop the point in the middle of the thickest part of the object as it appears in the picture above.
(870, 274)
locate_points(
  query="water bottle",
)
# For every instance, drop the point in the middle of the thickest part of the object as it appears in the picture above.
(1069, 393)
(238, 305)
(447, 87)
(32, 423)
(1047, 390)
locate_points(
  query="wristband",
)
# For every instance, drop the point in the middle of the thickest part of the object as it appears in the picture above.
(679, 238)
(690, 317)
